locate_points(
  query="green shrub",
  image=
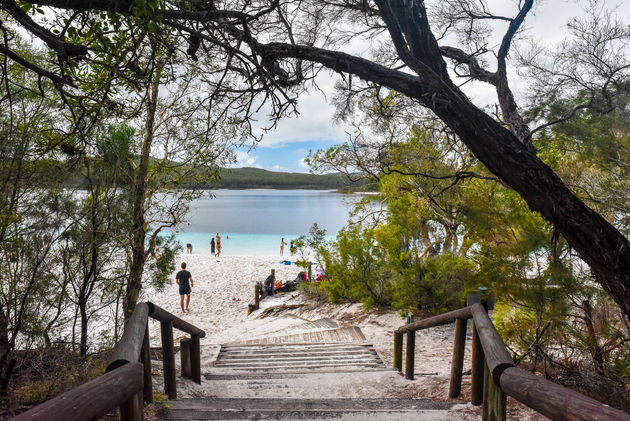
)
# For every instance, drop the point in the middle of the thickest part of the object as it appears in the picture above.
(312, 291)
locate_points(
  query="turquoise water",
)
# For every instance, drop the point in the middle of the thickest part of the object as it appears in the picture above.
(256, 220)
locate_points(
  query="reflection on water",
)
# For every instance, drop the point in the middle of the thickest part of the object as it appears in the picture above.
(256, 220)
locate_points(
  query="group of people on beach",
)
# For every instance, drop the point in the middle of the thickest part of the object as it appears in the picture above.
(292, 247)
(184, 279)
(215, 246)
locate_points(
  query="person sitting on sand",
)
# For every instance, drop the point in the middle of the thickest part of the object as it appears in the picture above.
(218, 245)
(188, 248)
(182, 278)
(212, 246)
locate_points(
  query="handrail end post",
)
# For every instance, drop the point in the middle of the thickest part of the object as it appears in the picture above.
(457, 364)
(398, 342)
(410, 354)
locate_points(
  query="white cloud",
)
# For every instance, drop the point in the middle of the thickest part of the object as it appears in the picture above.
(302, 164)
(244, 159)
(278, 168)
(315, 121)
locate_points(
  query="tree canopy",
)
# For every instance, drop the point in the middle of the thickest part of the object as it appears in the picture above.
(265, 51)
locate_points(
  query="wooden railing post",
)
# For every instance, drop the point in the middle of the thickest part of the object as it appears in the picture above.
(184, 353)
(477, 368)
(398, 342)
(145, 359)
(132, 410)
(256, 296)
(195, 358)
(494, 400)
(168, 359)
(457, 364)
(410, 354)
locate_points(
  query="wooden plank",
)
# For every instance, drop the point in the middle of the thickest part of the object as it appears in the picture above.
(398, 343)
(130, 344)
(256, 296)
(168, 359)
(236, 346)
(184, 356)
(496, 354)
(300, 363)
(306, 353)
(442, 319)
(457, 363)
(195, 359)
(146, 361)
(284, 367)
(384, 404)
(555, 401)
(494, 400)
(93, 399)
(477, 369)
(410, 354)
(132, 410)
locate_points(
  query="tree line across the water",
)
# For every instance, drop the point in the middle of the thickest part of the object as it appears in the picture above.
(246, 178)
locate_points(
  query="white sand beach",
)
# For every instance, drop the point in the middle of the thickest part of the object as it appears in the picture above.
(219, 302)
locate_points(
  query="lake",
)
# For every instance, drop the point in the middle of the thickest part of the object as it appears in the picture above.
(256, 220)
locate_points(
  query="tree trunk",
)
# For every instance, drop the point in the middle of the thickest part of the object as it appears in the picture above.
(599, 243)
(6, 360)
(83, 347)
(593, 344)
(138, 254)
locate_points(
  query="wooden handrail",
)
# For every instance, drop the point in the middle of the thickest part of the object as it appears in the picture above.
(126, 380)
(130, 344)
(550, 399)
(91, 400)
(439, 320)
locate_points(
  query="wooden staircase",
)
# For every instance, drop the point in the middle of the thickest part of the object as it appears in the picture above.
(316, 371)
(307, 409)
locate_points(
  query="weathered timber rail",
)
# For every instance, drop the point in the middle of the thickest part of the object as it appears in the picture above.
(127, 381)
(494, 374)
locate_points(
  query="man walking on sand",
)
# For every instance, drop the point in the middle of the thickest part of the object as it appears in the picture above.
(182, 278)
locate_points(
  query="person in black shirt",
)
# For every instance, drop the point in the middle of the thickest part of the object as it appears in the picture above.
(182, 278)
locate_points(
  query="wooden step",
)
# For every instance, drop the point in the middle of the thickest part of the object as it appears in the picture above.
(342, 334)
(258, 409)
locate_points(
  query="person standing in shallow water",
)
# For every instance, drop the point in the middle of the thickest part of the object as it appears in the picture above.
(212, 246)
(182, 279)
(218, 245)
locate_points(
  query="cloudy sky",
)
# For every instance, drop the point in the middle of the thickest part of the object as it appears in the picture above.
(284, 148)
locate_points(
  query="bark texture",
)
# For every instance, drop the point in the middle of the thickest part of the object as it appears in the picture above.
(139, 255)
(599, 243)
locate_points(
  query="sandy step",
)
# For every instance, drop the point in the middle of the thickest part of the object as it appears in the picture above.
(297, 354)
(309, 365)
(239, 409)
(342, 334)
(296, 345)
(290, 374)
(318, 324)
(291, 360)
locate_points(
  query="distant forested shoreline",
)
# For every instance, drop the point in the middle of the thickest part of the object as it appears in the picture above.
(257, 178)
(248, 178)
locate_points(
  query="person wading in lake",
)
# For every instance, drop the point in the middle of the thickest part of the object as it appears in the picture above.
(282, 244)
(182, 278)
(212, 246)
(218, 244)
